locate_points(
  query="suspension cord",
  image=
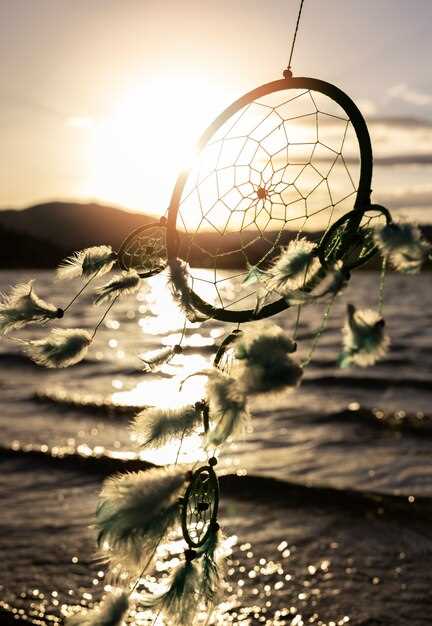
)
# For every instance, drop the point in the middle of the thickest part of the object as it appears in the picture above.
(288, 72)
(381, 285)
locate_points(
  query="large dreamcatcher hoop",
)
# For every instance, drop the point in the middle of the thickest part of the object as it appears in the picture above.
(261, 185)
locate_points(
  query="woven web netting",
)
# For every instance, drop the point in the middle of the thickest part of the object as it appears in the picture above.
(144, 250)
(286, 164)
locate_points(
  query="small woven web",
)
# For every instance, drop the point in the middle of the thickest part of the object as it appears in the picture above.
(283, 165)
(200, 508)
(145, 250)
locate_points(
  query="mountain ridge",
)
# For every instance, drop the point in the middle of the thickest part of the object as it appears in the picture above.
(41, 235)
(80, 224)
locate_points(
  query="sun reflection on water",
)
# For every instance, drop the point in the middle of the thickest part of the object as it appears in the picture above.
(170, 393)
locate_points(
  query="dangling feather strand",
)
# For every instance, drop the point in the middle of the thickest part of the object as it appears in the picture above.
(23, 306)
(211, 565)
(403, 245)
(135, 511)
(179, 604)
(227, 407)
(154, 359)
(329, 286)
(110, 612)
(294, 267)
(364, 338)
(61, 348)
(178, 276)
(155, 427)
(122, 285)
(263, 361)
(87, 263)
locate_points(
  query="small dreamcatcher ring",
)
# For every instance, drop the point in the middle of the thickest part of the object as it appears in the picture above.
(200, 506)
(349, 241)
(362, 191)
(144, 249)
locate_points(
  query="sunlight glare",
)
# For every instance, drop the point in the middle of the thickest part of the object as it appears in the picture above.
(138, 150)
(171, 393)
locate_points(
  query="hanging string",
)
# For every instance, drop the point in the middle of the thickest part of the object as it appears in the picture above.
(288, 73)
(180, 446)
(299, 307)
(104, 316)
(149, 560)
(297, 322)
(381, 285)
(319, 332)
(157, 617)
(76, 296)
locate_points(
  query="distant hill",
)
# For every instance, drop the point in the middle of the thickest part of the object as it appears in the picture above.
(19, 250)
(72, 225)
(42, 235)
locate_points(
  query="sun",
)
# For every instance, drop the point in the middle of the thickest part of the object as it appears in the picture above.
(137, 151)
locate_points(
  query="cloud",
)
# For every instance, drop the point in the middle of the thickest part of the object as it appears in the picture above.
(395, 122)
(404, 159)
(367, 107)
(403, 92)
(407, 197)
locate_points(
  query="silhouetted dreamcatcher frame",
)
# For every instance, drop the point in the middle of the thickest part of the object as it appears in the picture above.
(361, 204)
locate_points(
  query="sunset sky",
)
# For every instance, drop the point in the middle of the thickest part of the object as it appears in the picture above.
(100, 99)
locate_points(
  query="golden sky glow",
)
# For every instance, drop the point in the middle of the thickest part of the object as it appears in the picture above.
(137, 150)
(101, 100)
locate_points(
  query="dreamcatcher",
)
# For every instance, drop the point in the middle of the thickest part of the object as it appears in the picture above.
(285, 161)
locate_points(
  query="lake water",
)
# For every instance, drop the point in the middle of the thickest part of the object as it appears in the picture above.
(326, 505)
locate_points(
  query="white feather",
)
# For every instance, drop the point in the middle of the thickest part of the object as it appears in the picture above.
(263, 362)
(179, 603)
(403, 245)
(110, 612)
(135, 511)
(154, 359)
(330, 284)
(23, 306)
(227, 407)
(295, 266)
(364, 338)
(97, 260)
(122, 285)
(61, 348)
(181, 292)
(213, 569)
(155, 427)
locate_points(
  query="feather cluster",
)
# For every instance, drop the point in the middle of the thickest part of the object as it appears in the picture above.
(135, 511)
(61, 348)
(212, 569)
(153, 360)
(87, 263)
(110, 612)
(227, 407)
(155, 427)
(192, 584)
(294, 268)
(330, 284)
(122, 285)
(23, 306)
(263, 362)
(179, 603)
(181, 292)
(364, 338)
(403, 245)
